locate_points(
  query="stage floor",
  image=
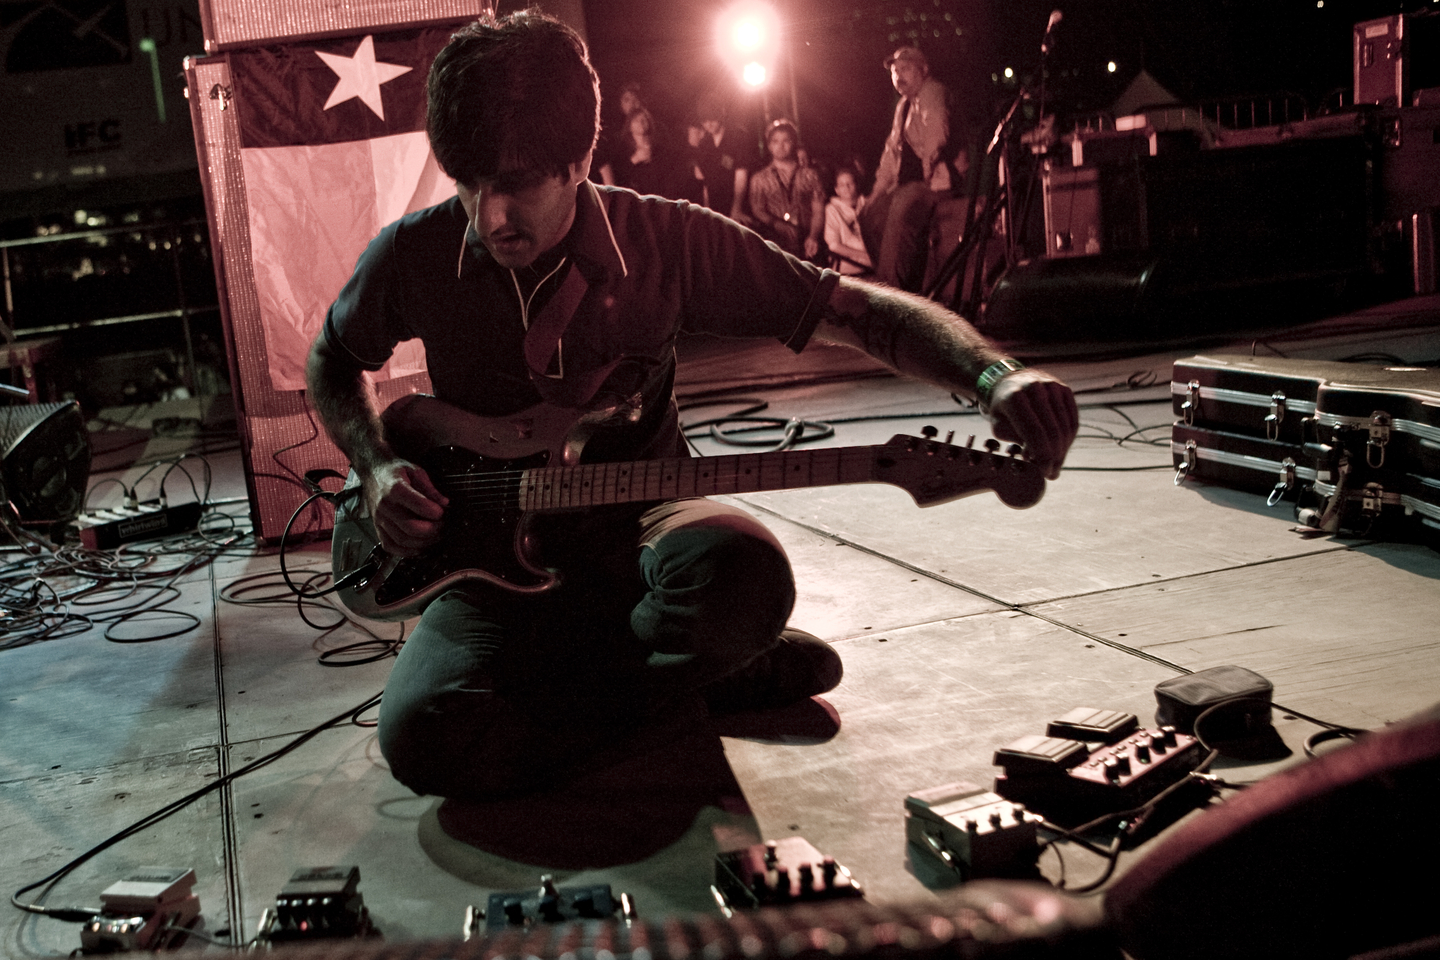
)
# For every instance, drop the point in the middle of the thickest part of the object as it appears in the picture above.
(962, 628)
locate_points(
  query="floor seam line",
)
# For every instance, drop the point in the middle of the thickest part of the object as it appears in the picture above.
(230, 841)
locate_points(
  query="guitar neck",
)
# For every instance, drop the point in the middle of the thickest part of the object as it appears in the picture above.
(588, 485)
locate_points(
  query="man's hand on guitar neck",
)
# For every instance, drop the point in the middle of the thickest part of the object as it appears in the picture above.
(405, 507)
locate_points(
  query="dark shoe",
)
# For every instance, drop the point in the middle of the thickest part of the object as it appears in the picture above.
(798, 667)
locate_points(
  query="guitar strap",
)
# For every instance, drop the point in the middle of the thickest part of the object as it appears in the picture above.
(545, 351)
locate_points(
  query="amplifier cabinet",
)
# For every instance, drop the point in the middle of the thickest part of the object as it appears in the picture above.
(231, 24)
(1409, 161)
(1396, 57)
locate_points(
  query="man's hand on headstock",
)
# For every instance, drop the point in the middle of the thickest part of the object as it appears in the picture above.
(1032, 408)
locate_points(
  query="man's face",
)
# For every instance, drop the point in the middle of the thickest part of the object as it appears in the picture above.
(519, 214)
(907, 75)
(782, 145)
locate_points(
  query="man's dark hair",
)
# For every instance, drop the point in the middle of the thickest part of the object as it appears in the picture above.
(516, 91)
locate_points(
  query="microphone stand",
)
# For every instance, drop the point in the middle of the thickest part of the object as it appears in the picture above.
(997, 208)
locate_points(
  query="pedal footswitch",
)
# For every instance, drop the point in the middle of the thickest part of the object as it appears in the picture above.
(548, 903)
(318, 903)
(780, 872)
(974, 832)
(141, 910)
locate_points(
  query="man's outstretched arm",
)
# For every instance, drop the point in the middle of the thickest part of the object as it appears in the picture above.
(403, 502)
(921, 339)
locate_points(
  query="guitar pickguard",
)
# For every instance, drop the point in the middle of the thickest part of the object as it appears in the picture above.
(484, 539)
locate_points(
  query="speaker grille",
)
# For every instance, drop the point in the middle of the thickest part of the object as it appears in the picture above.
(46, 460)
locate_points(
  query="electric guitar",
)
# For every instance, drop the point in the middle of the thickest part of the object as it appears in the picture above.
(497, 472)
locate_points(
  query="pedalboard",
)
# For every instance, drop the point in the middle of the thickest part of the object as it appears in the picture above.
(973, 831)
(317, 903)
(1073, 780)
(547, 904)
(150, 520)
(142, 911)
(779, 873)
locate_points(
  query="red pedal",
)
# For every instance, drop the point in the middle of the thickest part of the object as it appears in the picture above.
(1069, 783)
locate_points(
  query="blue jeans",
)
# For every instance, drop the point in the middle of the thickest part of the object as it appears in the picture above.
(495, 693)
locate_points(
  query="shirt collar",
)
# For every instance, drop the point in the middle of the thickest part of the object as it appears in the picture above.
(591, 240)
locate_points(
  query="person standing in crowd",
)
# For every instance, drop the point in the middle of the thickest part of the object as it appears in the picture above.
(843, 236)
(648, 164)
(912, 174)
(615, 140)
(786, 199)
(724, 157)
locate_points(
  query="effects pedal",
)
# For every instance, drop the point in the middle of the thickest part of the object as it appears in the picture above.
(150, 520)
(547, 904)
(317, 903)
(974, 832)
(1071, 780)
(778, 873)
(142, 911)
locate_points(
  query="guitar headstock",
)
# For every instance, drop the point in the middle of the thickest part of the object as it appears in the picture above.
(934, 472)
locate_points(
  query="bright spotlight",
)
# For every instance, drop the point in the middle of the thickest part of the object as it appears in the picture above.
(748, 38)
(1009, 73)
(1111, 66)
(748, 34)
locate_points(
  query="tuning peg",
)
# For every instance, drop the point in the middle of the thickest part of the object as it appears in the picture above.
(970, 440)
(949, 436)
(992, 445)
(1014, 449)
(929, 431)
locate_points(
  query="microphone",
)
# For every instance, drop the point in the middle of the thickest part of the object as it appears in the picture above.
(1045, 43)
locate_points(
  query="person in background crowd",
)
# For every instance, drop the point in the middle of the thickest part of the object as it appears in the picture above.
(843, 236)
(615, 141)
(724, 157)
(648, 165)
(912, 174)
(787, 201)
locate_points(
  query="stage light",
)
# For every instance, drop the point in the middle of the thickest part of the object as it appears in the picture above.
(748, 38)
(748, 34)
(1110, 67)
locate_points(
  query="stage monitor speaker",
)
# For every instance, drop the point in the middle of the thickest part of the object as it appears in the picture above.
(46, 463)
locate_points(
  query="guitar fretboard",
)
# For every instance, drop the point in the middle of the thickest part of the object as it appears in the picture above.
(588, 485)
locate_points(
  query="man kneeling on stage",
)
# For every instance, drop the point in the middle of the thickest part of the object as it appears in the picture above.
(542, 298)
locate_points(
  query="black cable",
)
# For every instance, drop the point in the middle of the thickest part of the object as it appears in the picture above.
(1332, 733)
(81, 914)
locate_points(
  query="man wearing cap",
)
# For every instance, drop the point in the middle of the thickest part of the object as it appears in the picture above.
(912, 174)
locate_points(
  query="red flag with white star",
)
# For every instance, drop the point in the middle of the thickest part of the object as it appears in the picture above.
(332, 137)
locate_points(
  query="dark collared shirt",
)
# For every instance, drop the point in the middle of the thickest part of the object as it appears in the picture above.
(653, 268)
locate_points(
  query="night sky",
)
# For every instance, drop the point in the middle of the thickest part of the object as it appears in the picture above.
(1201, 50)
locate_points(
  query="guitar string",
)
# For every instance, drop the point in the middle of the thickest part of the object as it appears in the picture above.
(499, 489)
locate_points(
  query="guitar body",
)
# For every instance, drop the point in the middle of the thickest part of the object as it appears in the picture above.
(497, 472)
(489, 545)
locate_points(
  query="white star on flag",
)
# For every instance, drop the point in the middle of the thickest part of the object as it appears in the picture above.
(360, 76)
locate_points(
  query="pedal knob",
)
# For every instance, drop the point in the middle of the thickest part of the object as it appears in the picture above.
(1142, 753)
